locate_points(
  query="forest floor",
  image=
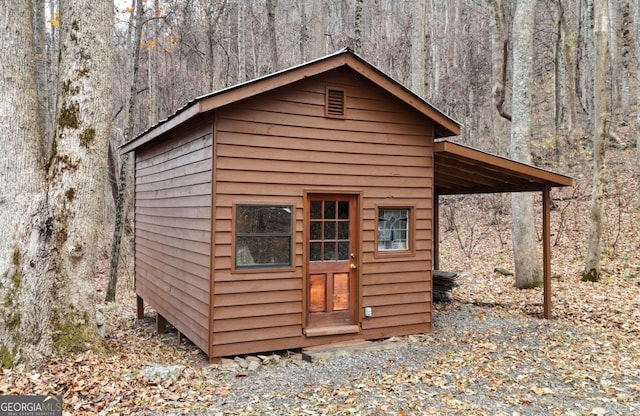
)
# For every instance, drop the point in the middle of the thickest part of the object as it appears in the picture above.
(489, 353)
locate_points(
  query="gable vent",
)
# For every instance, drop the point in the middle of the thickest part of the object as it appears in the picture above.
(335, 102)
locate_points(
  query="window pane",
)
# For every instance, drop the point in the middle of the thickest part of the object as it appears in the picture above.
(263, 250)
(316, 230)
(316, 210)
(329, 230)
(343, 250)
(329, 251)
(343, 210)
(393, 229)
(330, 210)
(315, 251)
(261, 219)
(263, 235)
(343, 230)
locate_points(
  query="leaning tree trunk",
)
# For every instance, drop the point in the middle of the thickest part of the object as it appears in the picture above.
(527, 264)
(592, 262)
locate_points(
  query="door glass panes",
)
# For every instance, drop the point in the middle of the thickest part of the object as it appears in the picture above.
(316, 210)
(329, 210)
(343, 210)
(329, 233)
(393, 229)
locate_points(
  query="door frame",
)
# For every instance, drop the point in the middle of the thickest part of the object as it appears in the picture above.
(357, 237)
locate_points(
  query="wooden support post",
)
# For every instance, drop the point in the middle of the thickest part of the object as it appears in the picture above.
(161, 324)
(436, 231)
(180, 338)
(546, 251)
(139, 307)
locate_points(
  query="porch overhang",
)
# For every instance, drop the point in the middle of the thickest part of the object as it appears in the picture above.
(463, 170)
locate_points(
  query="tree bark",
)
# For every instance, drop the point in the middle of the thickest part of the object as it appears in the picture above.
(317, 30)
(418, 48)
(272, 34)
(25, 335)
(357, 41)
(50, 258)
(527, 264)
(601, 31)
(500, 54)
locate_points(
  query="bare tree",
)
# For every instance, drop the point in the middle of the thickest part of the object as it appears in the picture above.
(527, 265)
(418, 48)
(601, 32)
(272, 34)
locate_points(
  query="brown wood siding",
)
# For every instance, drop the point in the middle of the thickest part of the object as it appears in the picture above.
(270, 149)
(173, 229)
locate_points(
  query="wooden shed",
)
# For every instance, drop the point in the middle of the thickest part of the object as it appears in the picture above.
(298, 209)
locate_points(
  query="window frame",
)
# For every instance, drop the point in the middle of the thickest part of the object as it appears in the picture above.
(410, 251)
(261, 268)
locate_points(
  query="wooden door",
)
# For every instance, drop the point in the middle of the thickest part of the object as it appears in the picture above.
(332, 259)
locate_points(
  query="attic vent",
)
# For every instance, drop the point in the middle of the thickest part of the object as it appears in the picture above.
(335, 102)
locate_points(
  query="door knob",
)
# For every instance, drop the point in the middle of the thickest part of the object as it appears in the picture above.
(354, 266)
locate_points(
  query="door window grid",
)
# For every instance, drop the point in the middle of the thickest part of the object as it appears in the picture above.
(329, 225)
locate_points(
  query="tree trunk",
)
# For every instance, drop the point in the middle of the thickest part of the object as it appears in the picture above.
(24, 333)
(303, 40)
(272, 34)
(499, 55)
(317, 30)
(50, 258)
(592, 262)
(357, 38)
(625, 56)
(527, 265)
(241, 44)
(124, 161)
(418, 48)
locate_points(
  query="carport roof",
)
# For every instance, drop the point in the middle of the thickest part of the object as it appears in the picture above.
(463, 170)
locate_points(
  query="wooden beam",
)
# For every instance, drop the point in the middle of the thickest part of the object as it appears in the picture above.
(139, 307)
(161, 324)
(546, 251)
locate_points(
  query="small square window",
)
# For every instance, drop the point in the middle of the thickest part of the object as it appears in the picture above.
(394, 229)
(263, 236)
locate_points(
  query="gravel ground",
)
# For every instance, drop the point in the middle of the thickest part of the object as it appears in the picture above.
(478, 360)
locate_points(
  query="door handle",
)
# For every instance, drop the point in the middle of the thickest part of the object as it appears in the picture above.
(353, 266)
